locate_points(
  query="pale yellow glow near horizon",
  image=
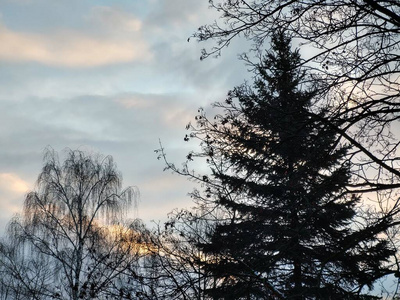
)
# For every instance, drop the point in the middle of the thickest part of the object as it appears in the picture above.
(13, 183)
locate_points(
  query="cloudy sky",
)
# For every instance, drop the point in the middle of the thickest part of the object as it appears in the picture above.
(107, 76)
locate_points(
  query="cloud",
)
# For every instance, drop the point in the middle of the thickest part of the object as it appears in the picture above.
(115, 19)
(170, 110)
(126, 126)
(135, 101)
(13, 184)
(19, 1)
(70, 49)
(117, 108)
(12, 192)
(171, 187)
(179, 14)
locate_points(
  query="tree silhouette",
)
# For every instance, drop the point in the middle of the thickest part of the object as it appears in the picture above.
(290, 228)
(178, 272)
(72, 229)
(352, 50)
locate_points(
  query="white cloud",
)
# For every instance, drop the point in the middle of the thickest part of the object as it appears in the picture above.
(70, 49)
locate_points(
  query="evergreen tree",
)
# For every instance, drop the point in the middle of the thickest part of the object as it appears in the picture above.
(290, 228)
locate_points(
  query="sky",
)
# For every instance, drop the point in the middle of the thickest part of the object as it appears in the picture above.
(111, 77)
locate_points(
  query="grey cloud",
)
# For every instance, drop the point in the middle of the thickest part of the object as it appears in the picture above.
(129, 133)
(123, 109)
(178, 14)
(169, 26)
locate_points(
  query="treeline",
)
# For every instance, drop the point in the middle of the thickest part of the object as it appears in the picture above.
(301, 196)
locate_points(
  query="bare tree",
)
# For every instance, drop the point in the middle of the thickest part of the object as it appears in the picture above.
(179, 273)
(71, 235)
(352, 48)
(24, 275)
(357, 40)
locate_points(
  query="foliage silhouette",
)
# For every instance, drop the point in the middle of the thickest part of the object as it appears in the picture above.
(352, 51)
(289, 227)
(71, 241)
